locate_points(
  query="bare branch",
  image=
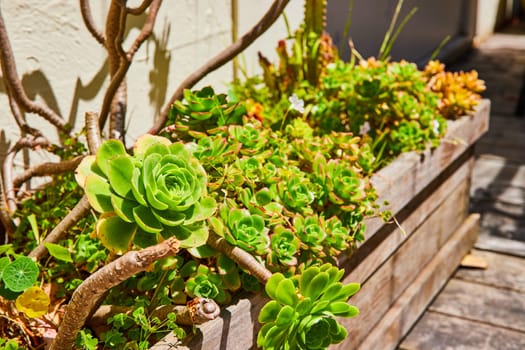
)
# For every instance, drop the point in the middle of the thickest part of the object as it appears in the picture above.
(7, 170)
(223, 57)
(147, 29)
(5, 218)
(85, 10)
(139, 9)
(92, 290)
(240, 256)
(71, 219)
(94, 139)
(47, 169)
(15, 86)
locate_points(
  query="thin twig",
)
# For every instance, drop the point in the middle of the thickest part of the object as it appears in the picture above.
(90, 292)
(85, 10)
(147, 29)
(7, 169)
(240, 256)
(47, 169)
(139, 9)
(5, 218)
(78, 212)
(223, 57)
(10, 76)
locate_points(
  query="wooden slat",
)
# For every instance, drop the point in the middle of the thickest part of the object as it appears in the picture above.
(495, 306)
(503, 271)
(395, 275)
(437, 331)
(501, 245)
(412, 303)
(489, 171)
(371, 254)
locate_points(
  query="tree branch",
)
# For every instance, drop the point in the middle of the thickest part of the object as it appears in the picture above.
(90, 292)
(85, 10)
(240, 256)
(147, 29)
(139, 9)
(10, 76)
(223, 57)
(71, 219)
(47, 169)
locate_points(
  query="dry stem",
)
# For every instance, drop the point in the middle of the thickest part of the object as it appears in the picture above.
(90, 292)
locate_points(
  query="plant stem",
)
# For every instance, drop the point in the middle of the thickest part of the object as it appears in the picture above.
(244, 259)
(90, 292)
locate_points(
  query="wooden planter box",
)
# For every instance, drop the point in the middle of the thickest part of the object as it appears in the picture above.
(400, 272)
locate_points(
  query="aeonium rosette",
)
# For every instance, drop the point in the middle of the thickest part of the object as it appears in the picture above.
(158, 192)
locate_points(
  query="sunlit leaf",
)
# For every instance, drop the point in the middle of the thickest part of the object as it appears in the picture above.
(115, 234)
(58, 252)
(20, 274)
(33, 302)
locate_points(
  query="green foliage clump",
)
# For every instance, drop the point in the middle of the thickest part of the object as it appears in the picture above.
(158, 192)
(302, 310)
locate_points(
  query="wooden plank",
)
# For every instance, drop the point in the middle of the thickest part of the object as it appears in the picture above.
(373, 253)
(498, 223)
(437, 331)
(500, 245)
(381, 290)
(412, 303)
(495, 306)
(492, 171)
(503, 271)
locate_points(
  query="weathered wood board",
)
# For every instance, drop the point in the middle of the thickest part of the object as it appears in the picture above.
(438, 331)
(504, 308)
(395, 274)
(503, 271)
(405, 183)
(395, 323)
(501, 245)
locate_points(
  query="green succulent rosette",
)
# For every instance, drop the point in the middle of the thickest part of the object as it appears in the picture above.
(302, 310)
(158, 192)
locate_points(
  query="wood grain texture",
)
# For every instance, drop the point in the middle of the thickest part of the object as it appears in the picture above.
(412, 303)
(501, 245)
(503, 271)
(374, 252)
(438, 331)
(491, 305)
(383, 288)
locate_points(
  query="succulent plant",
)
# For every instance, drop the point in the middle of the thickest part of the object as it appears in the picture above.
(158, 192)
(301, 314)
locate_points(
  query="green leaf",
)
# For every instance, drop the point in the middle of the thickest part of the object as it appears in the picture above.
(192, 236)
(273, 282)
(269, 312)
(202, 210)
(98, 193)
(143, 239)
(285, 293)
(34, 226)
(109, 149)
(304, 306)
(123, 207)
(4, 261)
(169, 217)
(146, 219)
(342, 309)
(146, 141)
(347, 291)
(58, 252)
(202, 252)
(286, 316)
(316, 286)
(20, 274)
(137, 187)
(84, 169)
(120, 173)
(115, 234)
(306, 278)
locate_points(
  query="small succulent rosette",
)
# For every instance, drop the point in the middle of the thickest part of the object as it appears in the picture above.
(157, 192)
